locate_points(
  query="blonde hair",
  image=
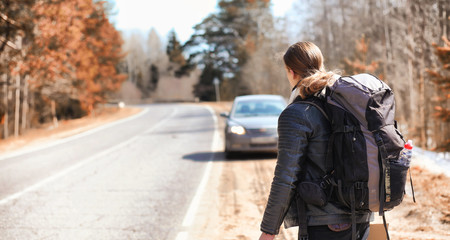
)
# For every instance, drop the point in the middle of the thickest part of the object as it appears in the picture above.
(306, 60)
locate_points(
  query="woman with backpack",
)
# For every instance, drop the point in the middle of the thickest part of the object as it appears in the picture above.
(304, 131)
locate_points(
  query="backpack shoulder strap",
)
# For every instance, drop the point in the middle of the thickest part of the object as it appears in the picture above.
(314, 101)
(319, 103)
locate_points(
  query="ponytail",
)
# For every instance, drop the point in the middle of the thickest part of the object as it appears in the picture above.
(315, 83)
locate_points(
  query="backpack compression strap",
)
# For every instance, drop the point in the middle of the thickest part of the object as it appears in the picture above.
(385, 184)
(385, 178)
(302, 219)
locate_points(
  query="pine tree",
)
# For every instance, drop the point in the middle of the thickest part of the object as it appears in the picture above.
(174, 49)
(441, 79)
(229, 35)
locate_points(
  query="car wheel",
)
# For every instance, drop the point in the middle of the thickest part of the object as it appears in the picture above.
(229, 154)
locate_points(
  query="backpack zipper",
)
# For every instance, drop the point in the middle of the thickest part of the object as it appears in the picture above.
(353, 139)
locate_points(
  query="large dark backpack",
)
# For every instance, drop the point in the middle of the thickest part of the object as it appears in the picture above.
(364, 145)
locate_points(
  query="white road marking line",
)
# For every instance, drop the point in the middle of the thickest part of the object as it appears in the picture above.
(82, 163)
(182, 236)
(64, 140)
(193, 207)
(189, 217)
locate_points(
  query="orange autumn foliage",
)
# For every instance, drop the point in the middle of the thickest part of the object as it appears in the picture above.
(359, 62)
(441, 79)
(75, 52)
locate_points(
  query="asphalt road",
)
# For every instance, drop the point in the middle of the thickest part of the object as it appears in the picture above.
(131, 180)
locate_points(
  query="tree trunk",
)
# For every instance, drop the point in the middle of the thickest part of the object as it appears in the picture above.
(422, 92)
(31, 108)
(343, 28)
(387, 45)
(422, 106)
(55, 119)
(413, 105)
(412, 99)
(25, 104)
(5, 102)
(443, 6)
(17, 107)
(325, 29)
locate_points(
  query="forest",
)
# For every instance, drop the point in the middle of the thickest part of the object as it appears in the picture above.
(60, 59)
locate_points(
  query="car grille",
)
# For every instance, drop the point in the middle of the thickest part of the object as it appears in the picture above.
(262, 132)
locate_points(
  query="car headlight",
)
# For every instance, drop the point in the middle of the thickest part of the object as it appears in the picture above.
(239, 130)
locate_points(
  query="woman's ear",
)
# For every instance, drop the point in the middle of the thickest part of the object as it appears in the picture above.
(294, 75)
(291, 72)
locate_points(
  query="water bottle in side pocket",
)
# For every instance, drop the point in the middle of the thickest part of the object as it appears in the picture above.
(406, 154)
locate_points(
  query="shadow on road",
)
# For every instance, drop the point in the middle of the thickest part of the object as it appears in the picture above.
(220, 156)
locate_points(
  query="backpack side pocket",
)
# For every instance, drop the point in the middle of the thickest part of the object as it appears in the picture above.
(398, 174)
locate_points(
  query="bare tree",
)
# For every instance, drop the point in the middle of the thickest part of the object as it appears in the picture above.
(135, 60)
(400, 34)
(263, 72)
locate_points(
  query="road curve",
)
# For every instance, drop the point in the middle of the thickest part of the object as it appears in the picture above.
(131, 180)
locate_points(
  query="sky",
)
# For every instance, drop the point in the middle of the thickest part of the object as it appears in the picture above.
(164, 15)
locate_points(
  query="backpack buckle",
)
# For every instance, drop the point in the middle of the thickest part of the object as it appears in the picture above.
(359, 185)
(326, 182)
(378, 139)
(349, 128)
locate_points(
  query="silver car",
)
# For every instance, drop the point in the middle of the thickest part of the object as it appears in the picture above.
(251, 125)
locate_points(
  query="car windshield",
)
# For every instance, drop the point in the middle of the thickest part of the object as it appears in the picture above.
(251, 108)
